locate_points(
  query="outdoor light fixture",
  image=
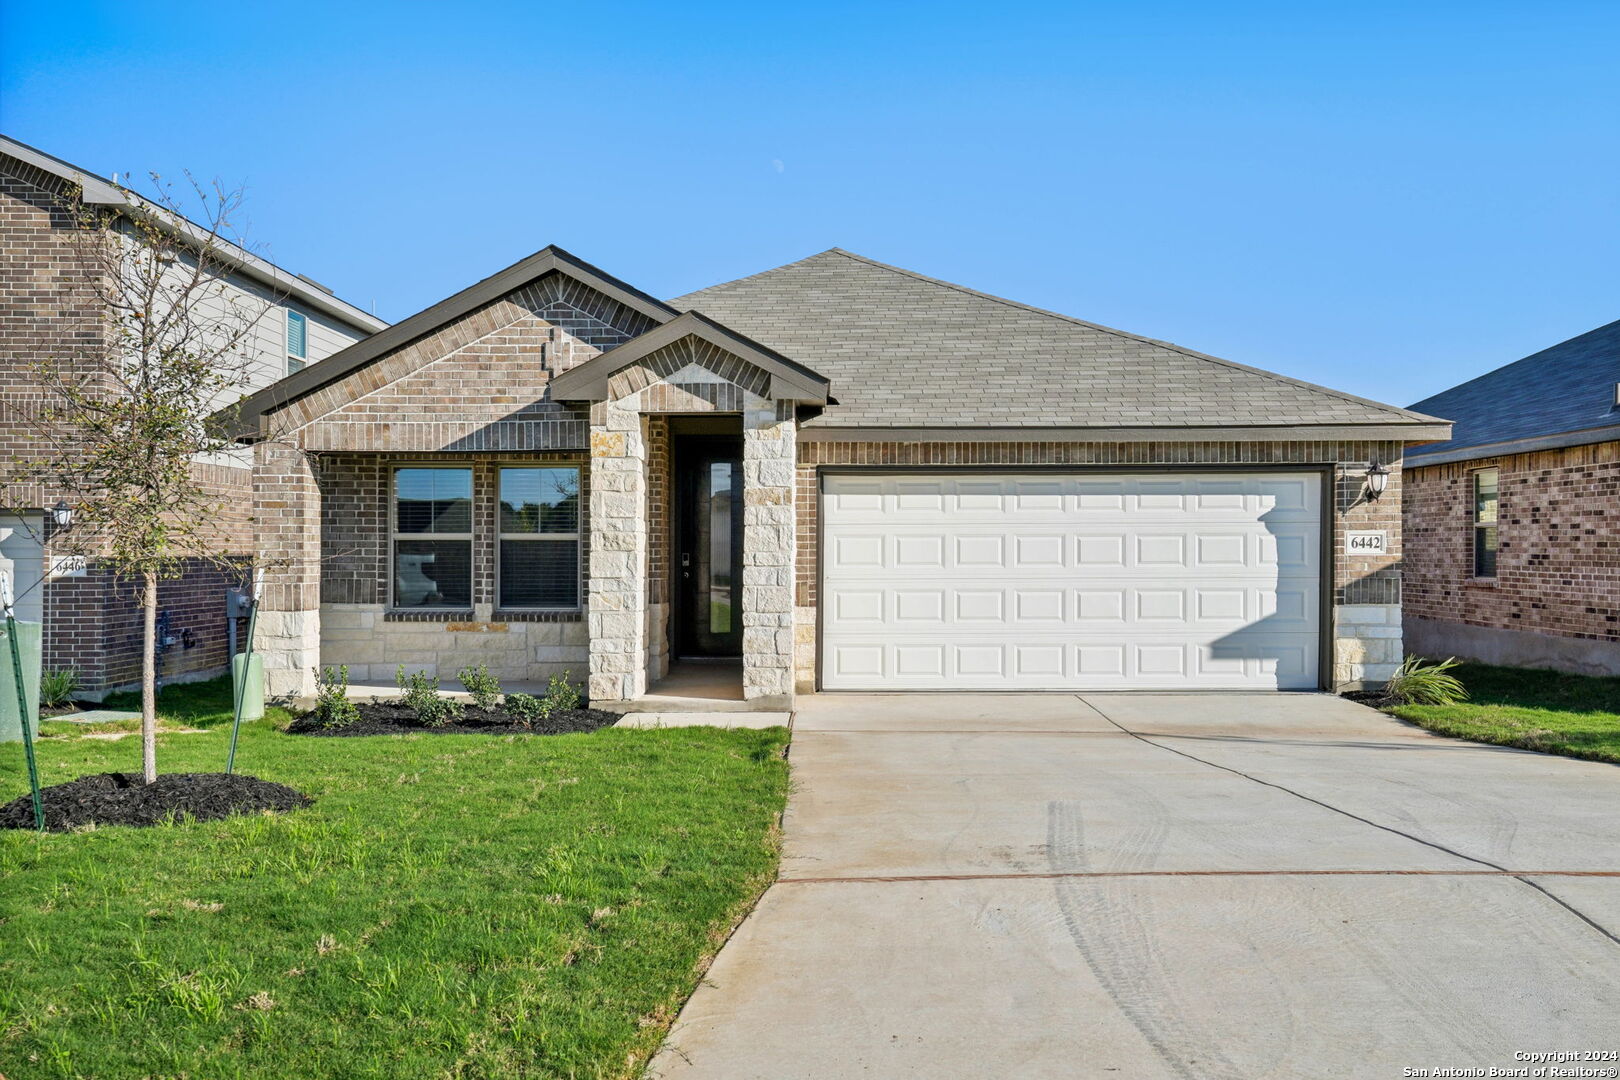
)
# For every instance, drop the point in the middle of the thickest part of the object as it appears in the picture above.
(62, 514)
(1377, 479)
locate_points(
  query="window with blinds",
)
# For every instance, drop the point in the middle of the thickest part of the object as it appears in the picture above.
(432, 538)
(1486, 484)
(297, 341)
(537, 552)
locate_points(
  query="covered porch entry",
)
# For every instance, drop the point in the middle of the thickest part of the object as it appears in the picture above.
(692, 534)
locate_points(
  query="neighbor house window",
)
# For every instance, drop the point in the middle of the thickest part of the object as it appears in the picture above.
(297, 341)
(432, 538)
(538, 558)
(1485, 488)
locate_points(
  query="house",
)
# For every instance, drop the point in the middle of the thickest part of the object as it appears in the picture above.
(91, 620)
(1513, 553)
(838, 475)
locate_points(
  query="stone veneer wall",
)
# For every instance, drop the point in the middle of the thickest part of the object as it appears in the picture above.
(1366, 590)
(769, 453)
(375, 645)
(627, 648)
(1555, 600)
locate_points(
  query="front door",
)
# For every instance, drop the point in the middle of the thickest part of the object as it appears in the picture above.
(708, 547)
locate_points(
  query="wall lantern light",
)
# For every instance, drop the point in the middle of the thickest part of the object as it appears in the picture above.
(62, 514)
(1377, 479)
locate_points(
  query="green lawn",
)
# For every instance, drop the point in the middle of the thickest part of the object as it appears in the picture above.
(199, 704)
(1577, 715)
(452, 905)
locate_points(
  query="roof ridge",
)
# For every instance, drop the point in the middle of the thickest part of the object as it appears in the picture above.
(1128, 335)
(757, 273)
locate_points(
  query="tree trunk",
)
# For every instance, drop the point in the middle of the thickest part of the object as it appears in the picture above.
(149, 605)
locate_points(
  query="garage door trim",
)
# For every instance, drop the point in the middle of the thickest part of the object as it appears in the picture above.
(1326, 504)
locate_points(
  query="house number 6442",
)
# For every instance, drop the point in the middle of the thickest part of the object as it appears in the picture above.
(1366, 543)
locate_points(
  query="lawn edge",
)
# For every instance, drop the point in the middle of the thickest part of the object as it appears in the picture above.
(745, 908)
(1514, 742)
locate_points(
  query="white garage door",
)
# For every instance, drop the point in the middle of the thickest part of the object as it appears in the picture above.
(1093, 581)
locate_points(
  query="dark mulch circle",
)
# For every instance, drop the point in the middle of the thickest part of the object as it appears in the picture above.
(1376, 699)
(121, 799)
(397, 718)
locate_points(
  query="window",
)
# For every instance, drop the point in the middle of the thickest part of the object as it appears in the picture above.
(297, 341)
(432, 538)
(1485, 487)
(538, 555)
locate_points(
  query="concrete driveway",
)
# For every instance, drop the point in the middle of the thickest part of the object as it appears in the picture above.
(1138, 886)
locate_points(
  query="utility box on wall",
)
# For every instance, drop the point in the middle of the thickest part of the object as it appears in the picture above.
(12, 718)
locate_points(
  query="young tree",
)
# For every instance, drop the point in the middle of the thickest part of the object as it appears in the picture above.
(132, 408)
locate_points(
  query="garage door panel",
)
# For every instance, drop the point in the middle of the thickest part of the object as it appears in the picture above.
(1085, 581)
(989, 607)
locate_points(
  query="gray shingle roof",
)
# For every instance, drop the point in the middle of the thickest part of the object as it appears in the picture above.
(1562, 396)
(903, 350)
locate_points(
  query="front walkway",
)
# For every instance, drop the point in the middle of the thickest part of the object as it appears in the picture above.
(1145, 886)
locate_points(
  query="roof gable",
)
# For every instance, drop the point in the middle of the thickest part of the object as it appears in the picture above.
(907, 351)
(1560, 396)
(582, 285)
(787, 379)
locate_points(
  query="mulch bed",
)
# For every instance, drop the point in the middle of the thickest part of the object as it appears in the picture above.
(1376, 699)
(397, 718)
(121, 799)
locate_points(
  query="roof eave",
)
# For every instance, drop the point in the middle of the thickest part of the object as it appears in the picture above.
(826, 429)
(1558, 441)
(546, 261)
(98, 192)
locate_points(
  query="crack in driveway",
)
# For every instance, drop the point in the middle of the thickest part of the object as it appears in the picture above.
(1520, 876)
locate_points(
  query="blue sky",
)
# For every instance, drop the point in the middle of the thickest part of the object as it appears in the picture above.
(1386, 198)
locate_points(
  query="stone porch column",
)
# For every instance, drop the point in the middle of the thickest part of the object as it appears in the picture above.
(617, 596)
(287, 545)
(769, 451)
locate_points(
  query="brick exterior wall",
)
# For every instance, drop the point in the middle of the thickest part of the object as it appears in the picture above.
(50, 312)
(93, 625)
(51, 315)
(471, 392)
(355, 536)
(1558, 560)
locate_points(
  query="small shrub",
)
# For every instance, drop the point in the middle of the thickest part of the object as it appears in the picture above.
(421, 692)
(525, 709)
(484, 687)
(560, 694)
(1418, 683)
(332, 705)
(56, 688)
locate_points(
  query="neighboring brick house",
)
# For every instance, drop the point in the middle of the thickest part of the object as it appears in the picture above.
(47, 314)
(1513, 526)
(832, 475)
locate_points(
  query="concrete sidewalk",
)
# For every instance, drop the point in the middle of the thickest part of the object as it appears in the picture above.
(1163, 885)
